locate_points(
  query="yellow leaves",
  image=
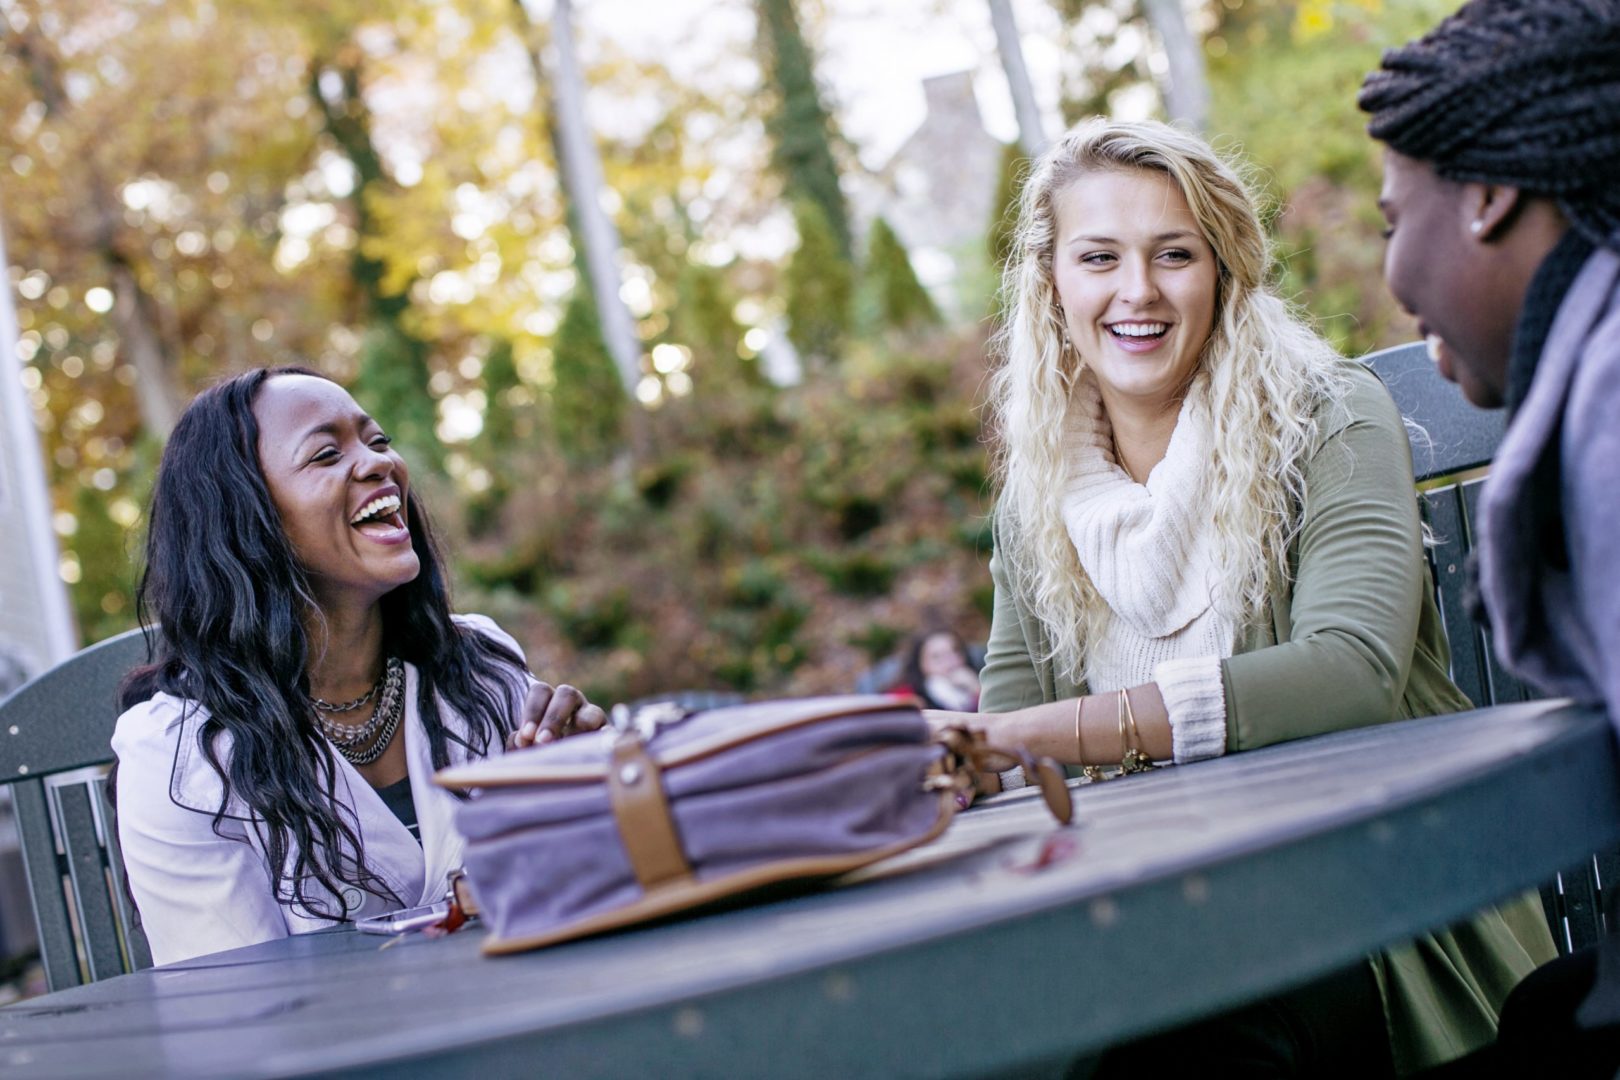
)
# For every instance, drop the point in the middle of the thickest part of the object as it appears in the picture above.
(1314, 19)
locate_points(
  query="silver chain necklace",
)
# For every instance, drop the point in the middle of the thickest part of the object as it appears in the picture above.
(382, 724)
(395, 706)
(322, 705)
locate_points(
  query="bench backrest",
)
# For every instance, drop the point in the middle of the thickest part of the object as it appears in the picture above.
(1452, 447)
(1450, 457)
(61, 722)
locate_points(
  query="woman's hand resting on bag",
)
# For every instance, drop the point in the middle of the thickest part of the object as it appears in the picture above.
(940, 719)
(551, 713)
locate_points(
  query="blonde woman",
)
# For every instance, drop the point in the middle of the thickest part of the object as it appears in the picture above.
(1207, 526)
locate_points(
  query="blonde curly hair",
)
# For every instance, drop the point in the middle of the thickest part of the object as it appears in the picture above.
(1265, 377)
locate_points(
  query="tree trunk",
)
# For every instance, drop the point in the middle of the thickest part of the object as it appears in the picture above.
(560, 86)
(581, 168)
(45, 618)
(1186, 97)
(349, 124)
(134, 311)
(133, 316)
(801, 129)
(1031, 132)
(394, 361)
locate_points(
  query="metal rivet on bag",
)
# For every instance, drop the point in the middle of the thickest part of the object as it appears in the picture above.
(630, 773)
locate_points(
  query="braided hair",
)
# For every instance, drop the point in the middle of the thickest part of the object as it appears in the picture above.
(1518, 92)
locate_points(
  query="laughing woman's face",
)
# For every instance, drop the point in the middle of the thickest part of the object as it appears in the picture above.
(1437, 268)
(339, 488)
(1137, 281)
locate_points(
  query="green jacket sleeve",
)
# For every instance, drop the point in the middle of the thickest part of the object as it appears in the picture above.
(1357, 592)
(1009, 680)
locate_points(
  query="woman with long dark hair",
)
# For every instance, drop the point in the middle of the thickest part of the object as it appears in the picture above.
(275, 760)
(936, 670)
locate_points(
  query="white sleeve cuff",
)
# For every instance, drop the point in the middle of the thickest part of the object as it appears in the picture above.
(1196, 701)
(1013, 778)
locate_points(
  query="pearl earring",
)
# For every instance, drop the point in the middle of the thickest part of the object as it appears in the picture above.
(1476, 227)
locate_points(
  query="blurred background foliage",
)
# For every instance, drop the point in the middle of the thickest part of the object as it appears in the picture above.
(192, 187)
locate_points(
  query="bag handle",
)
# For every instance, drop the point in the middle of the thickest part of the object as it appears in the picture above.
(969, 756)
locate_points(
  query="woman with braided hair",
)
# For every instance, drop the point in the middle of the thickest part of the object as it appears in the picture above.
(1502, 197)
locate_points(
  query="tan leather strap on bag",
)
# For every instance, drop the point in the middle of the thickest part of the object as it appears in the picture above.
(968, 755)
(636, 792)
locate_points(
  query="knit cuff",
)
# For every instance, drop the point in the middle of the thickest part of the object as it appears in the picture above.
(1196, 701)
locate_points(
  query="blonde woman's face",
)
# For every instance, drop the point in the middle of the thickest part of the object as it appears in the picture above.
(1137, 282)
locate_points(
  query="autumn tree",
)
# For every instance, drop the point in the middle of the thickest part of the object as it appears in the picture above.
(702, 320)
(818, 287)
(1004, 205)
(799, 124)
(1009, 46)
(562, 83)
(1284, 79)
(897, 299)
(587, 402)
(393, 370)
(142, 242)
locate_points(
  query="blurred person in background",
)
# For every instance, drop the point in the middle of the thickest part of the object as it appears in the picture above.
(938, 672)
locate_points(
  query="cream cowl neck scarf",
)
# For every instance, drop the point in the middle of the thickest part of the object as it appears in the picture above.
(1148, 548)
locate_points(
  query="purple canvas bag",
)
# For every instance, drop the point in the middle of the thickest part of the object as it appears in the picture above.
(668, 810)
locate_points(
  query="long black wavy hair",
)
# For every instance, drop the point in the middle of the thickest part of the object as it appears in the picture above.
(224, 601)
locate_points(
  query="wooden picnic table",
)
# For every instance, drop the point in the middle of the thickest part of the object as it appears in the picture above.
(1010, 943)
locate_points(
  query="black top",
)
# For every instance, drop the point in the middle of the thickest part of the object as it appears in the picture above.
(397, 796)
(1542, 300)
(1552, 280)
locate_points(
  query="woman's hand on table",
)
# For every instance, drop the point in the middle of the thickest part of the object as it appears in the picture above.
(554, 712)
(941, 719)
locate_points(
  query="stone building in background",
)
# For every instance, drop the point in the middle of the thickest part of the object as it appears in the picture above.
(937, 193)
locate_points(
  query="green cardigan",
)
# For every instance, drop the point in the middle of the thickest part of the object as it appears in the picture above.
(1353, 638)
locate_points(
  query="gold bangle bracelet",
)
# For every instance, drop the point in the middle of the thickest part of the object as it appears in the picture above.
(1092, 773)
(1079, 748)
(1124, 745)
(1136, 759)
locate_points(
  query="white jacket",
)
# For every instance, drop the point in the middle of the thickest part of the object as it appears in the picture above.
(200, 892)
